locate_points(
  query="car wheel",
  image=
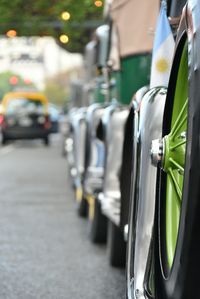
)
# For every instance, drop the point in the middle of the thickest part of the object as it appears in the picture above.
(46, 141)
(4, 140)
(97, 222)
(178, 208)
(116, 246)
(82, 205)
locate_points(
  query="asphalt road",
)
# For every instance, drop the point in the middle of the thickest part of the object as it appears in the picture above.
(44, 248)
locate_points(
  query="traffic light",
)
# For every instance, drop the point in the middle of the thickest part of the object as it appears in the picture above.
(13, 80)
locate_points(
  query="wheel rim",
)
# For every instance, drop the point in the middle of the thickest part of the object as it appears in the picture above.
(174, 159)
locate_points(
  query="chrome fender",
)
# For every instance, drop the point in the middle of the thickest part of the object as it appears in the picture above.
(79, 142)
(150, 127)
(128, 168)
(111, 196)
(94, 161)
(69, 142)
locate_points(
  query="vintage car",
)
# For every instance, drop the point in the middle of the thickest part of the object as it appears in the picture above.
(149, 196)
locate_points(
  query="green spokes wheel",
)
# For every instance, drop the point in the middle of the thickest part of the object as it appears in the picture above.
(177, 218)
(174, 158)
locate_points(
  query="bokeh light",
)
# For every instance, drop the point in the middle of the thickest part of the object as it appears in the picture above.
(98, 3)
(65, 15)
(11, 33)
(64, 39)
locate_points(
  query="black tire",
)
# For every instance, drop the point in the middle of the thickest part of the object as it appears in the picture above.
(181, 280)
(82, 207)
(116, 246)
(46, 141)
(98, 225)
(4, 140)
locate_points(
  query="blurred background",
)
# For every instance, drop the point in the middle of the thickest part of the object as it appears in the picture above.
(41, 44)
(43, 251)
(82, 114)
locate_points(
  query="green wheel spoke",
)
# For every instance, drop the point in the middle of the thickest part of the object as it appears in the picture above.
(182, 142)
(176, 186)
(177, 165)
(182, 117)
(178, 126)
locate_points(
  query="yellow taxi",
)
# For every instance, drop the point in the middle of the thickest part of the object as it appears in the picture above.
(24, 115)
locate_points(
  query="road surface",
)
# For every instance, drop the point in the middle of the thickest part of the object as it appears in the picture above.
(44, 248)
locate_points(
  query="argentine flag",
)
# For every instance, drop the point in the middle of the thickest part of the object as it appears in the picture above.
(163, 51)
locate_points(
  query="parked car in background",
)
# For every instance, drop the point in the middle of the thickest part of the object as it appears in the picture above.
(24, 115)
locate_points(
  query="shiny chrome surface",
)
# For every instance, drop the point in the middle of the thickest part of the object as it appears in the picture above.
(79, 139)
(156, 152)
(93, 177)
(69, 142)
(111, 199)
(128, 168)
(135, 105)
(90, 60)
(126, 232)
(75, 144)
(102, 34)
(150, 128)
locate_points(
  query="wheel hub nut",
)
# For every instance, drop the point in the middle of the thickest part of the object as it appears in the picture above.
(156, 152)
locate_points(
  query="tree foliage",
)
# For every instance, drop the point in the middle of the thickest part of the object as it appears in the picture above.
(56, 88)
(43, 17)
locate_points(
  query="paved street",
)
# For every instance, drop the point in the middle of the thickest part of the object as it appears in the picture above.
(44, 249)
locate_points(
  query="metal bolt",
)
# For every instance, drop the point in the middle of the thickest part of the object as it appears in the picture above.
(156, 151)
(183, 135)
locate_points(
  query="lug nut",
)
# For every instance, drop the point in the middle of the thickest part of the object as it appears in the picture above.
(156, 152)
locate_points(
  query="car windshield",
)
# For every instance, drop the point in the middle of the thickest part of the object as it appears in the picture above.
(24, 106)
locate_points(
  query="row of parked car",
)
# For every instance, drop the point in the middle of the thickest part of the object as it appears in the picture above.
(133, 147)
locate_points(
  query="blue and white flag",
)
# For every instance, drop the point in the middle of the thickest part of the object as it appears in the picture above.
(163, 51)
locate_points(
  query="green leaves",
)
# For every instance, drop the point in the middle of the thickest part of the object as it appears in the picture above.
(42, 17)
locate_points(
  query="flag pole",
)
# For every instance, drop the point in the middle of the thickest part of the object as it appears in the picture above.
(164, 4)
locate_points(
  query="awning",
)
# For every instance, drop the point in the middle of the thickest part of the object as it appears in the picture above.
(135, 21)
